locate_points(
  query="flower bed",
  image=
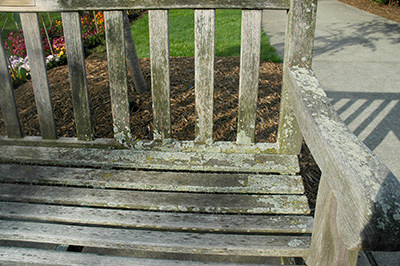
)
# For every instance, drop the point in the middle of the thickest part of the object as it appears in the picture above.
(53, 45)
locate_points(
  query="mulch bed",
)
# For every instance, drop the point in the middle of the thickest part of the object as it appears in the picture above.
(182, 105)
(391, 12)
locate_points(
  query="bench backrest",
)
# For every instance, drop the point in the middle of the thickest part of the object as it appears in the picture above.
(298, 52)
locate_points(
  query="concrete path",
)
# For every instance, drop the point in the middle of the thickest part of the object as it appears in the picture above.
(357, 60)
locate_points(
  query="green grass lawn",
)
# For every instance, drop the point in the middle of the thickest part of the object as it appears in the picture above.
(181, 30)
(181, 26)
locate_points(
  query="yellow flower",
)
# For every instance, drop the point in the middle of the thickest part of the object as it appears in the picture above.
(58, 22)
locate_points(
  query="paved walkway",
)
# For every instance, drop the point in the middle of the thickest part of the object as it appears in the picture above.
(357, 60)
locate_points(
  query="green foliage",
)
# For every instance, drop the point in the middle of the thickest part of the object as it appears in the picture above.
(386, 2)
(181, 30)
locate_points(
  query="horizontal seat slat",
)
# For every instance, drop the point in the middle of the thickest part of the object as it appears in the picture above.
(30, 256)
(152, 180)
(188, 161)
(160, 201)
(157, 241)
(50, 5)
(176, 146)
(195, 222)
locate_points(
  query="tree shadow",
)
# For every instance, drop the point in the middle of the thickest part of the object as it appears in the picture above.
(336, 38)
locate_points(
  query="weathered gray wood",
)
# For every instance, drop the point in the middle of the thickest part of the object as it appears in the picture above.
(152, 180)
(190, 222)
(115, 41)
(298, 52)
(177, 146)
(161, 201)
(327, 248)
(249, 70)
(132, 59)
(169, 160)
(51, 5)
(204, 74)
(300, 32)
(160, 86)
(26, 256)
(77, 74)
(367, 193)
(34, 47)
(158, 241)
(7, 99)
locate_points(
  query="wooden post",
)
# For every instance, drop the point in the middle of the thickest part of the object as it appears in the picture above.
(249, 71)
(298, 52)
(34, 47)
(326, 246)
(159, 57)
(77, 74)
(204, 74)
(7, 99)
(118, 77)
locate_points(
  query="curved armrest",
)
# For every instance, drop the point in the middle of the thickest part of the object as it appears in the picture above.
(368, 194)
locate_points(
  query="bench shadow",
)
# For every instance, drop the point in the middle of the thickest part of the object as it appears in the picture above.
(378, 114)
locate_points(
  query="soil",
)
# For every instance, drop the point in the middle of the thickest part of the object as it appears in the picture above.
(391, 11)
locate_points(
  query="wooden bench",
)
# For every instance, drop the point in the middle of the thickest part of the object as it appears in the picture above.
(123, 201)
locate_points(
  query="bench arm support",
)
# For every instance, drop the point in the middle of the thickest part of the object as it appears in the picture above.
(366, 191)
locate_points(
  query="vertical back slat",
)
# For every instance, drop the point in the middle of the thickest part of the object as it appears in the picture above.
(7, 99)
(77, 74)
(249, 71)
(34, 47)
(159, 57)
(118, 77)
(204, 74)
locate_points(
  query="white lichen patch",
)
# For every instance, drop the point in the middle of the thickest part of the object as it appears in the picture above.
(296, 243)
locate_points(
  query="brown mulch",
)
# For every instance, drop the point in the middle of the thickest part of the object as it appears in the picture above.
(391, 12)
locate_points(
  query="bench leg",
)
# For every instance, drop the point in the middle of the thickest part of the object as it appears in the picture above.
(326, 246)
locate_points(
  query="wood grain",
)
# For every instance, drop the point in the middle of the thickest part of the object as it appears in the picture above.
(7, 99)
(38, 72)
(77, 74)
(160, 80)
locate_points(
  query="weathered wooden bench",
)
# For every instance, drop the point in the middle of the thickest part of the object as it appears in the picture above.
(169, 202)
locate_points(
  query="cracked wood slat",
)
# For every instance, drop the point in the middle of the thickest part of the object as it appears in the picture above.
(169, 160)
(38, 72)
(204, 74)
(77, 74)
(152, 180)
(7, 99)
(160, 76)
(249, 72)
(51, 5)
(33, 256)
(190, 222)
(160, 241)
(116, 57)
(160, 201)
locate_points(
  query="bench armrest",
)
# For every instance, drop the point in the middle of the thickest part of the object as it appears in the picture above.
(367, 192)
